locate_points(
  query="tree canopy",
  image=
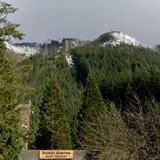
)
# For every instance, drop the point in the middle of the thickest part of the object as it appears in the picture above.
(7, 29)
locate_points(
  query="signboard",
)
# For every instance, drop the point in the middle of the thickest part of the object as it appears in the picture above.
(56, 154)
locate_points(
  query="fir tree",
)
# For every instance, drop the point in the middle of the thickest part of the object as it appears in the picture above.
(54, 129)
(91, 116)
(7, 29)
(9, 117)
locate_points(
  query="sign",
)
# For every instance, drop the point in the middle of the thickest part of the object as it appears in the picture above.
(56, 154)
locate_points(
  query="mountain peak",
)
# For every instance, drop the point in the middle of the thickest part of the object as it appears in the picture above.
(115, 38)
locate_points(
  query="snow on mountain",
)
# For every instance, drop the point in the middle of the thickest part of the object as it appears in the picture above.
(115, 38)
(22, 49)
(69, 60)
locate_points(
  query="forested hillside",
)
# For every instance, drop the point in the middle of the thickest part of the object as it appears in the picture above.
(90, 97)
(101, 95)
(122, 73)
(107, 100)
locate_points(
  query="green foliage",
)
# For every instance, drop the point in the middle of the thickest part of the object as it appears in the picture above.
(9, 142)
(9, 118)
(70, 112)
(90, 115)
(54, 129)
(81, 69)
(128, 76)
(122, 72)
(42, 70)
(7, 29)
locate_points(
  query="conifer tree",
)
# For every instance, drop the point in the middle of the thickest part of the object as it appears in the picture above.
(9, 117)
(7, 29)
(91, 120)
(54, 130)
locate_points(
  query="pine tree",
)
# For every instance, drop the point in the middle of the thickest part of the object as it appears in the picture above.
(91, 117)
(9, 117)
(54, 129)
(7, 29)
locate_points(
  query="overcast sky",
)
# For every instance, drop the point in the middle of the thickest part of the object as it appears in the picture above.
(87, 19)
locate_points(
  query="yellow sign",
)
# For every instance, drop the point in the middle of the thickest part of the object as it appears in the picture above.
(56, 154)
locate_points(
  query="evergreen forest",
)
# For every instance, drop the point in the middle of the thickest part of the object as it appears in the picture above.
(107, 99)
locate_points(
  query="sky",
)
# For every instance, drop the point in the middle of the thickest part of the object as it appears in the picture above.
(87, 19)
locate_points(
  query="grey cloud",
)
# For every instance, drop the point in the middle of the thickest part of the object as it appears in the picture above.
(87, 19)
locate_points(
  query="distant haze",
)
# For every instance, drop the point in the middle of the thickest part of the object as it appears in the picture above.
(87, 19)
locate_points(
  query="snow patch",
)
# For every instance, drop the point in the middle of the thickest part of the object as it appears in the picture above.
(22, 49)
(121, 38)
(69, 60)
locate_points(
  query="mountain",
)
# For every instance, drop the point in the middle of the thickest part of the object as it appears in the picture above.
(115, 38)
(117, 87)
(24, 48)
(33, 48)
